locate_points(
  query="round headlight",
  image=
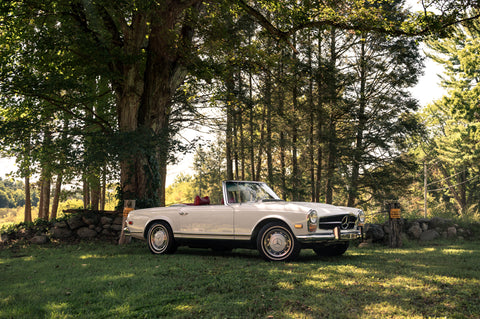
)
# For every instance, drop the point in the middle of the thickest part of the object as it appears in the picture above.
(312, 217)
(361, 217)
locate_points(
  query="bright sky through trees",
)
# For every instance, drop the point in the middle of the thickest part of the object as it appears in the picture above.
(427, 90)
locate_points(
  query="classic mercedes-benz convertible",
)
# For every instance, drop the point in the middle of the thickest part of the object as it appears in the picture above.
(251, 215)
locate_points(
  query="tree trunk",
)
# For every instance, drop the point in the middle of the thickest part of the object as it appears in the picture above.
(236, 145)
(95, 190)
(28, 201)
(41, 201)
(294, 129)
(250, 127)
(333, 104)
(332, 156)
(103, 194)
(295, 170)
(282, 141)
(357, 152)
(229, 135)
(86, 193)
(320, 118)
(44, 207)
(458, 194)
(261, 144)
(268, 143)
(311, 123)
(241, 144)
(56, 196)
(145, 103)
(283, 170)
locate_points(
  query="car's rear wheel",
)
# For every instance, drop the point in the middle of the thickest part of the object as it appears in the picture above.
(160, 238)
(276, 242)
(331, 250)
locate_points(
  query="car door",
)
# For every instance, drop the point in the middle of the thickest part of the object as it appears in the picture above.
(206, 222)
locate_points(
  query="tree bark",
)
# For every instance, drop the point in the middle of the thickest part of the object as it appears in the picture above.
(95, 190)
(282, 140)
(357, 152)
(268, 143)
(261, 146)
(103, 195)
(86, 193)
(241, 144)
(229, 134)
(56, 196)
(333, 100)
(28, 201)
(320, 116)
(250, 126)
(144, 102)
(311, 122)
(45, 182)
(294, 130)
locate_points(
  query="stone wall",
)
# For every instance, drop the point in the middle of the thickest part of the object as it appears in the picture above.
(93, 225)
(75, 226)
(422, 230)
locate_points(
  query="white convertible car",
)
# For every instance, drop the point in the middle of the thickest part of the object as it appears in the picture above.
(251, 216)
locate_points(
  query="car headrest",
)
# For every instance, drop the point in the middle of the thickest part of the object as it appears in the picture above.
(201, 200)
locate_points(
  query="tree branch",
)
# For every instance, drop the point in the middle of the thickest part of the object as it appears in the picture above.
(279, 34)
(361, 25)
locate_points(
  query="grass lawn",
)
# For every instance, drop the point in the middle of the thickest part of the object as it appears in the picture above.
(100, 280)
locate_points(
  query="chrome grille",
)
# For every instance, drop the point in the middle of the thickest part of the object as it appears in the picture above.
(345, 221)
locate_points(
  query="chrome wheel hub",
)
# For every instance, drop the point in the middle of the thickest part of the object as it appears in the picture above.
(159, 239)
(277, 243)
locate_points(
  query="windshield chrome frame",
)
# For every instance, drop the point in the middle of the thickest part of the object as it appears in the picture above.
(262, 185)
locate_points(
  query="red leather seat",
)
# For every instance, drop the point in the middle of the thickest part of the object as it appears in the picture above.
(201, 200)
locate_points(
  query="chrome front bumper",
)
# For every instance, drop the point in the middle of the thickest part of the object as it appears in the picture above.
(335, 234)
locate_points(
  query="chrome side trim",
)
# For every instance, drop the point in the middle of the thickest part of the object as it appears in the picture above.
(204, 236)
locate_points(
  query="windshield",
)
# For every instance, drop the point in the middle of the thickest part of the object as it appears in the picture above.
(242, 192)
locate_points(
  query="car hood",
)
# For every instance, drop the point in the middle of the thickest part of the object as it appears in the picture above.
(322, 209)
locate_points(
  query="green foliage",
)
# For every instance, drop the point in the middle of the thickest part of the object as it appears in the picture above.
(102, 280)
(182, 190)
(38, 226)
(340, 106)
(207, 180)
(209, 171)
(12, 194)
(75, 74)
(451, 147)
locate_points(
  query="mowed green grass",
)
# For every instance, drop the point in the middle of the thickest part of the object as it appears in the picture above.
(100, 280)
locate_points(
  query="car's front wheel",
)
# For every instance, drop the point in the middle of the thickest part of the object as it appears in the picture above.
(160, 238)
(276, 242)
(331, 250)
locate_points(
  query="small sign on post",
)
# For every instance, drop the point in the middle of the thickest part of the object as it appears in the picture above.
(393, 208)
(128, 206)
(394, 213)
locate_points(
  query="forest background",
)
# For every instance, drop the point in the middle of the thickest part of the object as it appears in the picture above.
(313, 98)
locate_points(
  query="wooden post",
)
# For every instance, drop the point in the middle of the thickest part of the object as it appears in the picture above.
(128, 206)
(394, 221)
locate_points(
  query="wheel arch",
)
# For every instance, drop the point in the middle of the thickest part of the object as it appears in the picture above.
(153, 221)
(265, 221)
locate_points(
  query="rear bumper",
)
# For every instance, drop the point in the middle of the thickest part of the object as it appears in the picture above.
(330, 235)
(128, 232)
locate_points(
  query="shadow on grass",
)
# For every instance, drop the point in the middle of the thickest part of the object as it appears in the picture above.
(100, 280)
